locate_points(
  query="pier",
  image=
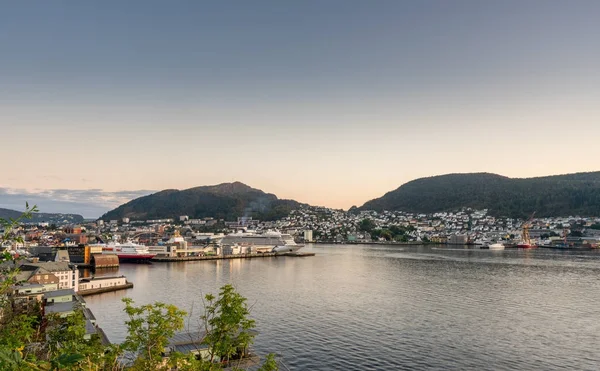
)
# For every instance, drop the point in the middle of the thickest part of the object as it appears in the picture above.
(227, 257)
(88, 292)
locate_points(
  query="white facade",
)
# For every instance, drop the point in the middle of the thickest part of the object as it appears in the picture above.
(308, 235)
(101, 282)
(68, 279)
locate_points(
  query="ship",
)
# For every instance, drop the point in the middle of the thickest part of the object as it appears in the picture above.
(270, 241)
(493, 246)
(128, 251)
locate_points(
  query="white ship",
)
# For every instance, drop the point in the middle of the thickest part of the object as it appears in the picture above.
(496, 246)
(127, 251)
(263, 242)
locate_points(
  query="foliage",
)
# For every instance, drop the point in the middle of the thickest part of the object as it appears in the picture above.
(28, 342)
(270, 364)
(227, 324)
(561, 195)
(10, 223)
(366, 225)
(225, 201)
(149, 329)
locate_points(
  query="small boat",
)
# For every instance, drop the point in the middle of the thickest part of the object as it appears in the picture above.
(496, 246)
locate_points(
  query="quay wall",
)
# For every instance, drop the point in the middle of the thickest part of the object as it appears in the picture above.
(88, 292)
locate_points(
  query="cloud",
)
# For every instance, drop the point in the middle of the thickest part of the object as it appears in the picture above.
(91, 203)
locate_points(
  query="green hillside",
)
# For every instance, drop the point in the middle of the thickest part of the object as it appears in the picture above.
(54, 218)
(560, 195)
(227, 201)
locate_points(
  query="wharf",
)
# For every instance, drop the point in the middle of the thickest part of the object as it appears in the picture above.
(88, 292)
(226, 257)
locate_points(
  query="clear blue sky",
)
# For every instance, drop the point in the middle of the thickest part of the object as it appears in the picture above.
(326, 102)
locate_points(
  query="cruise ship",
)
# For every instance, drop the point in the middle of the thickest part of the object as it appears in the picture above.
(263, 242)
(127, 251)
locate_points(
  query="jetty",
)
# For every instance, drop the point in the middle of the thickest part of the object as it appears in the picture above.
(228, 257)
(98, 285)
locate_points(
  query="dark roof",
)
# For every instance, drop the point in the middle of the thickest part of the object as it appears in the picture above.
(69, 306)
(57, 293)
(89, 327)
(186, 342)
(49, 266)
(87, 313)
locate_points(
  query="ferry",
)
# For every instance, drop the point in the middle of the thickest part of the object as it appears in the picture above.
(496, 246)
(263, 242)
(127, 251)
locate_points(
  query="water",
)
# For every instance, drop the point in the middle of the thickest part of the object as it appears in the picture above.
(366, 307)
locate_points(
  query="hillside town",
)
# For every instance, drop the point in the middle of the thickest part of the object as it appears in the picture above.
(321, 225)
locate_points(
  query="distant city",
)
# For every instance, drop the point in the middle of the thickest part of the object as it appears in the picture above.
(325, 225)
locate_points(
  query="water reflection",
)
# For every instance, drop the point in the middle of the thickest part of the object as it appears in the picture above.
(390, 307)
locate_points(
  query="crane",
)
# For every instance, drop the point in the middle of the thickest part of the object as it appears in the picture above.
(526, 239)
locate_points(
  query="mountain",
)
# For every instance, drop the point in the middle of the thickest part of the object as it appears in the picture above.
(53, 218)
(227, 201)
(559, 195)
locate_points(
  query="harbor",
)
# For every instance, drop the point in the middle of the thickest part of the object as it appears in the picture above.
(229, 257)
(392, 294)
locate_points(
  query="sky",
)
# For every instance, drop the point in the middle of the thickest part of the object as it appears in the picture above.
(330, 103)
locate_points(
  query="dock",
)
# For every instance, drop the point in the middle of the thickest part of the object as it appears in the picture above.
(88, 292)
(227, 257)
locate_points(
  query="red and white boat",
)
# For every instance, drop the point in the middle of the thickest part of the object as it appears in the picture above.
(128, 251)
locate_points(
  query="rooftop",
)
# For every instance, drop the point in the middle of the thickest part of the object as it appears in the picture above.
(69, 306)
(49, 266)
(58, 293)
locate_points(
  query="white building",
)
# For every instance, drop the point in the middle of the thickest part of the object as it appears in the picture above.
(101, 282)
(308, 235)
(68, 278)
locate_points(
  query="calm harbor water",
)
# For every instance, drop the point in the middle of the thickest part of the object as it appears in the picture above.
(360, 307)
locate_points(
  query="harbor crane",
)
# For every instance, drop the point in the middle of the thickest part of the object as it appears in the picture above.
(525, 237)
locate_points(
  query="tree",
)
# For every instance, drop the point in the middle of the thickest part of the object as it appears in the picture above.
(149, 329)
(28, 343)
(227, 325)
(366, 225)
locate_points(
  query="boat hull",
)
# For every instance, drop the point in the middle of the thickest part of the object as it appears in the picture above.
(287, 248)
(525, 246)
(134, 257)
(496, 246)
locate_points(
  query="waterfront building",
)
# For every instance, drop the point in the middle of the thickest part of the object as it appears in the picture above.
(308, 235)
(48, 272)
(101, 282)
(459, 239)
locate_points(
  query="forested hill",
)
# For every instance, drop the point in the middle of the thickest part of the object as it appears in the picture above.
(227, 201)
(54, 218)
(559, 195)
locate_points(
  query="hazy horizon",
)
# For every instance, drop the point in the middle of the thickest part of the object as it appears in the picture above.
(330, 104)
(93, 203)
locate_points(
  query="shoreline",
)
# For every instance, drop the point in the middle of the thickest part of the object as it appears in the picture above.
(128, 285)
(227, 257)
